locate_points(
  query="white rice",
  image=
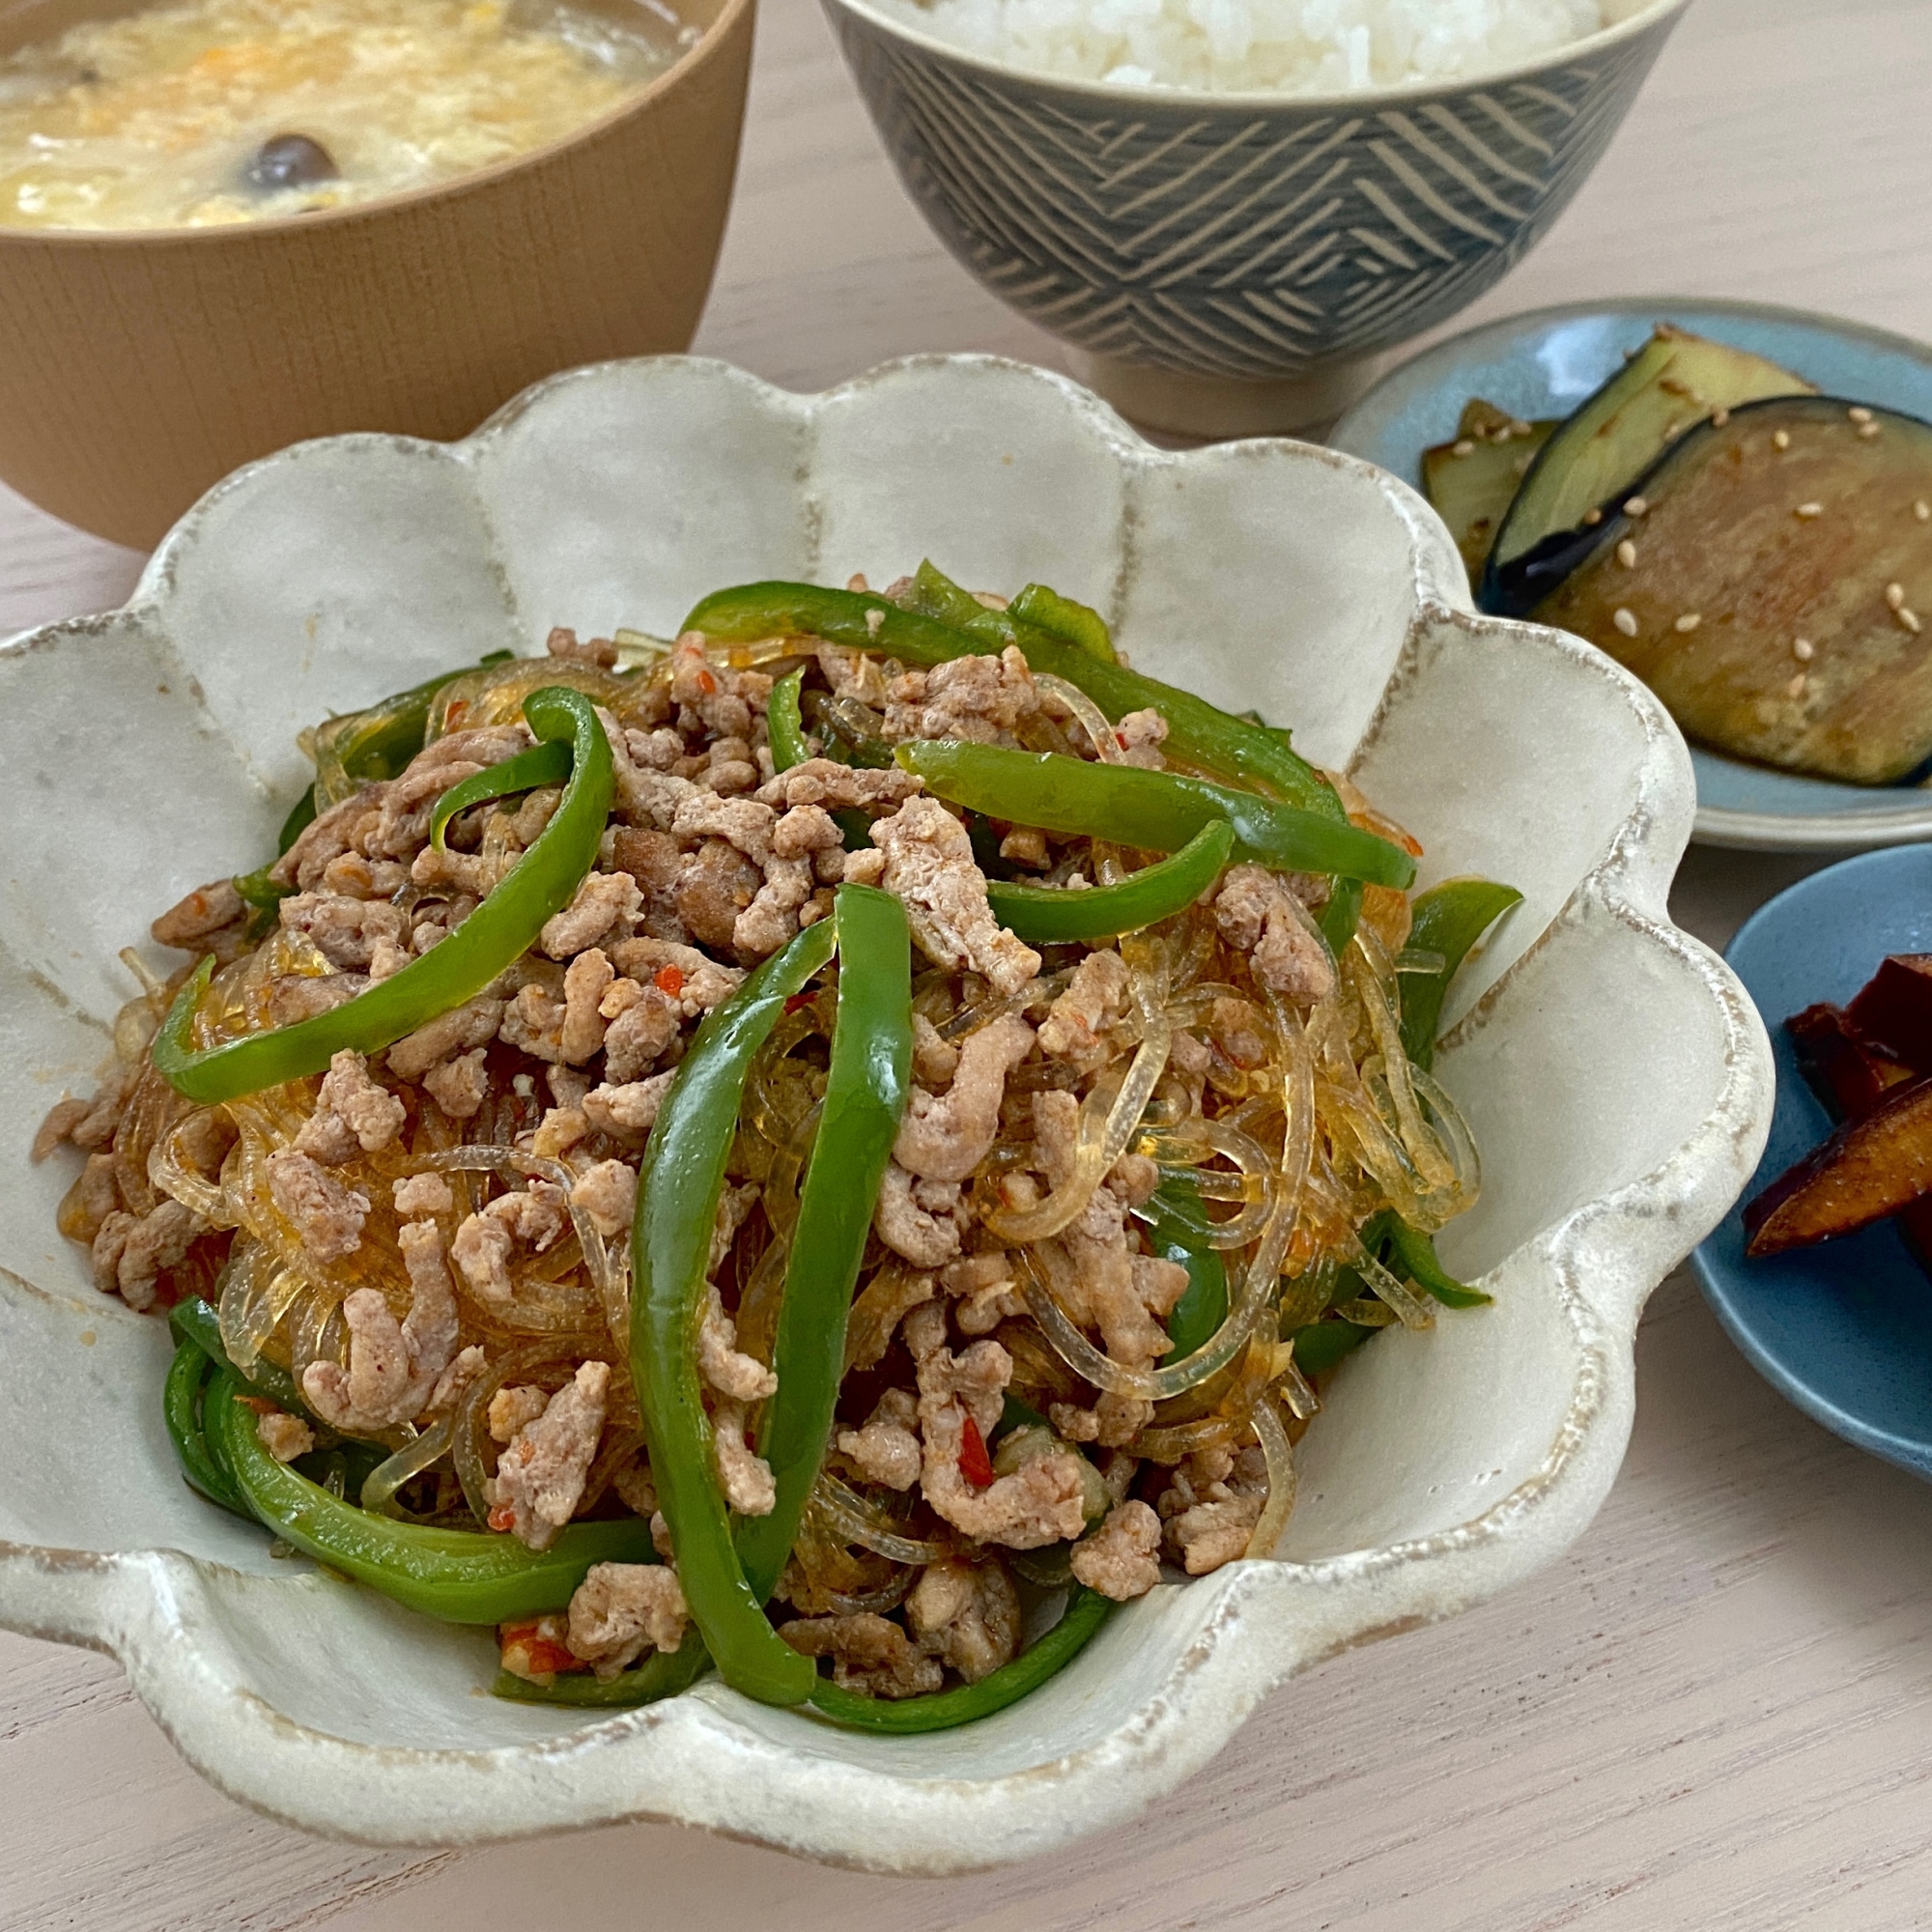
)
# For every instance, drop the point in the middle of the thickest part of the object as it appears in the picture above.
(1294, 46)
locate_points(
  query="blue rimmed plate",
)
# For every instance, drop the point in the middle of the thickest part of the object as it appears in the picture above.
(1544, 364)
(1844, 1330)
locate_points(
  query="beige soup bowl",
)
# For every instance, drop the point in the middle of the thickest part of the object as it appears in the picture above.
(139, 368)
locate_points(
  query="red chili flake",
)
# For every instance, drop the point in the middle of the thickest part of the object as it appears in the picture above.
(706, 683)
(798, 1003)
(670, 981)
(975, 1464)
(261, 1405)
(1121, 739)
(501, 1518)
(457, 710)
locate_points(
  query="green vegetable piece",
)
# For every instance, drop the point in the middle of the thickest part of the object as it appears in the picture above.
(1077, 623)
(671, 1243)
(1086, 1612)
(1160, 811)
(1319, 1345)
(181, 1411)
(301, 815)
(195, 1320)
(1174, 1230)
(868, 1085)
(1413, 1253)
(1048, 915)
(661, 1674)
(546, 764)
(1340, 915)
(1200, 732)
(1016, 1414)
(543, 882)
(1472, 481)
(1447, 919)
(786, 722)
(460, 1576)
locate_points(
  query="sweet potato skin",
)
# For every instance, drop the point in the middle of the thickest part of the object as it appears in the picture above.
(1893, 1011)
(1870, 1167)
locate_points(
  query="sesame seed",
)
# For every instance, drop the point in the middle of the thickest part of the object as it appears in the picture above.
(1895, 596)
(1672, 431)
(1781, 439)
(1464, 448)
(1795, 687)
(1866, 431)
(1689, 622)
(1859, 414)
(1627, 553)
(1803, 649)
(1720, 417)
(1808, 510)
(1635, 506)
(1922, 510)
(1625, 622)
(1910, 619)
(1592, 518)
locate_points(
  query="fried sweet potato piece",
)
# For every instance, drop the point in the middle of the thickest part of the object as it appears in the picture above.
(1871, 1168)
(1893, 1011)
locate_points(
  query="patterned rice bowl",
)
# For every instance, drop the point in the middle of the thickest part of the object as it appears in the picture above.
(1616, 1077)
(1232, 264)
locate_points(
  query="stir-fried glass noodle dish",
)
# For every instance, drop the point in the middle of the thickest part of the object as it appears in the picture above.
(836, 1149)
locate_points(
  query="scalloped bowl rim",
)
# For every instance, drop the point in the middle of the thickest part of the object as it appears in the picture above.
(1601, 1259)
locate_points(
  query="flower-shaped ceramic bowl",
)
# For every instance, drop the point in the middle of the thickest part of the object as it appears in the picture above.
(1615, 1076)
(1233, 263)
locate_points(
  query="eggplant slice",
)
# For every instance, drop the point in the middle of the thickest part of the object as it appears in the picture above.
(1673, 383)
(1771, 592)
(1471, 482)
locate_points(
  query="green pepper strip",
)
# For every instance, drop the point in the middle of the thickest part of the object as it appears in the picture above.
(181, 1411)
(1342, 913)
(196, 1321)
(1078, 623)
(1204, 1303)
(1086, 1612)
(868, 1085)
(671, 1242)
(461, 1576)
(1415, 1252)
(661, 1674)
(543, 882)
(1448, 918)
(1319, 1345)
(1200, 732)
(1047, 915)
(786, 730)
(1160, 811)
(546, 764)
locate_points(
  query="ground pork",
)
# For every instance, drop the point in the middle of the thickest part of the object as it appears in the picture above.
(94, 1196)
(934, 1061)
(1039, 1504)
(630, 1110)
(968, 1614)
(604, 900)
(61, 1118)
(534, 1022)
(772, 915)
(717, 883)
(326, 1216)
(622, 1609)
(463, 1028)
(585, 981)
(192, 922)
(977, 698)
(284, 1436)
(692, 981)
(352, 1113)
(839, 788)
(1257, 915)
(131, 1253)
(945, 1139)
(564, 642)
(1122, 1558)
(1026, 846)
(1089, 1006)
(987, 1295)
(539, 1478)
(536, 1214)
(460, 1086)
(1100, 1288)
(392, 1368)
(638, 1034)
(853, 674)
(744, 1476)
(301, 996)
(422, 1194)
(929, 866)
(738, 1376)
(354, 877)
(743, 823)
(1211, 1507)
(1140, 735)
(919, 1219)
(607, 1196)
(886, 1449)
(514, 1407)
(869, 1654)
(344, 931)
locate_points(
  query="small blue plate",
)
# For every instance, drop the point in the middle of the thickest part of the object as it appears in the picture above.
(1544, 364)
(1844, 1330)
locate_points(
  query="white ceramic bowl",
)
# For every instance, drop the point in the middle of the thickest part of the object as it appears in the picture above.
(1618, 1078)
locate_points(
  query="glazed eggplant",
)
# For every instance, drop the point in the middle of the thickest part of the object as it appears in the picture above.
(1767, 585)
(1472, 481)
(1594, 459)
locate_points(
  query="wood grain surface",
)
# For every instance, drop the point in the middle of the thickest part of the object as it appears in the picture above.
(1711, 1716)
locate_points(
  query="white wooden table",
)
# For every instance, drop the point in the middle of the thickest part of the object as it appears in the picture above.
(1714, 1714)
